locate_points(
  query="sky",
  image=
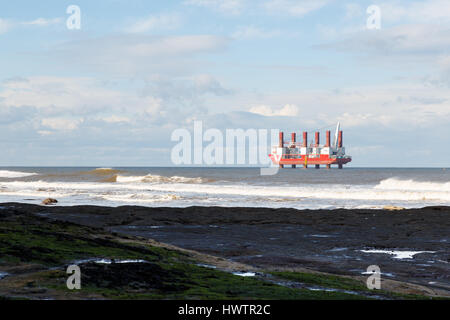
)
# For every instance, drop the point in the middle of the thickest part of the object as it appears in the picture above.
(112, 92)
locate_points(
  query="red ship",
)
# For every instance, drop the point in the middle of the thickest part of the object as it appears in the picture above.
(303, 154)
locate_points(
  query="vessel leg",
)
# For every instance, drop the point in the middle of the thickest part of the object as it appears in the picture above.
(341, 166)
(305, 166)
(317, 166)
(294, 166)
(281, 166)
(328, 166)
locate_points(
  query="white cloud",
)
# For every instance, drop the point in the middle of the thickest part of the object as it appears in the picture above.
(224, 6)
(42, 22)
(297, 8)
(45, 132)
(408, 27)
(8, 25)
(353, 10)
(390, 105)
(403, 39)
(205, 83)
(5, 26)
(428, 11)
(252, 32)
(444, 61)
(289, 110)
(156, 22)
(333, 32)
(59, 93)
(174, 46)
(61, 124)
(365, 119)
(116, 119)
(134, 54)
(59, 103)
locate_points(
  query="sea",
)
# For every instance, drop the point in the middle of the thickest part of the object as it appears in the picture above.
(230, 187)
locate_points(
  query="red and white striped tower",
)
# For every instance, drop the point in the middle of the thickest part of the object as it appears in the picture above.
(328, 139)
(293, 140)
(328, 145)
(305, 145)
(317, 146)
(281, 144)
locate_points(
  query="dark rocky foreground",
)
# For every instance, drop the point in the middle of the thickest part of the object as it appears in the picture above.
(285, 240)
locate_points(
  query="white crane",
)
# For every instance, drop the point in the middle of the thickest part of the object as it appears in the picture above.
(336, 135)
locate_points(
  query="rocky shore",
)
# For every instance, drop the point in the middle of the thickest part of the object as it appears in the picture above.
(411, 247)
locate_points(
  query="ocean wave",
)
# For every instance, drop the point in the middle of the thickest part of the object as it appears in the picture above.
(102, 172)
(336, 192)
(142, 198)
(99, 175)
(15, 174)
(263, 193)
(412, 185)
(189, 190)
(159, 179)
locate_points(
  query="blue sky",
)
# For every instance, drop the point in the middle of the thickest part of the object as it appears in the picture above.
(111, 93)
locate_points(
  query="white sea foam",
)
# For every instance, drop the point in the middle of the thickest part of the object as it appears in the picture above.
(329, 192)
(142, 198)
(412, 185)
(15, 174)
(157, 179)
(183, 191)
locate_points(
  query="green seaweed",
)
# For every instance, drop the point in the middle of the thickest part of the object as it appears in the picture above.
(57, 243)
(167, 274)
(341, 283)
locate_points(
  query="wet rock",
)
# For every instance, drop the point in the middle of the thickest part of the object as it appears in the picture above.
(137, 276)
(49, 201)
(393, 208)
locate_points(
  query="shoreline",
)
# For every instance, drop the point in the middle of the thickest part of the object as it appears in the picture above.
(286, 240)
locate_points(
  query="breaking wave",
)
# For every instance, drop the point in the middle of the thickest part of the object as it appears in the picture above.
(141, 198)
(107, 186)
(337, 192)
(15, 174)
(412, 185)
(159, 179)
(102, 172)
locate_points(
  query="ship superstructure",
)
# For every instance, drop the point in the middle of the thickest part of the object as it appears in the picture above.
(295, 153)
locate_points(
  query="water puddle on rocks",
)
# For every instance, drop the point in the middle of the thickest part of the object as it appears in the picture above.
(3, 275)
(236, 273)
(321, 235)
(292, 284)
(245, 274)
(381, 273)
(338, 249)
(109, 261)
(398, 254)
(206, 266)
(300, 285)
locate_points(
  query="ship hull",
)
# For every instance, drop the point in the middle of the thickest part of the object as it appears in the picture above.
(311, 160)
